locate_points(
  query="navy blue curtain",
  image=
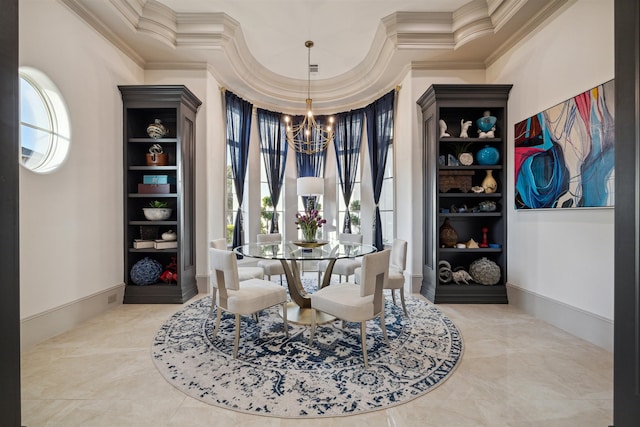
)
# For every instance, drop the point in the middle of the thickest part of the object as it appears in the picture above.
(379, 135)
(238, 116)
(273, 145)
(347, 143)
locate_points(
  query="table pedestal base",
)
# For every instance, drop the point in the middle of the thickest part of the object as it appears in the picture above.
(302, 316)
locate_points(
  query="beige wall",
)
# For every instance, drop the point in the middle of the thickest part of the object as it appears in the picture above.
(71, 233)
(563, 255)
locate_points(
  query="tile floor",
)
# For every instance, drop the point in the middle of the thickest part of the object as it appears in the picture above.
(516, 371)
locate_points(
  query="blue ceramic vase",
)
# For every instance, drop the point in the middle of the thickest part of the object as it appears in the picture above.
(486, 122)
(488, 156)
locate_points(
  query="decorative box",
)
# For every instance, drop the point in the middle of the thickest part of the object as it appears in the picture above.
(455, 179)
(155, 179)
(153, 188)
(157, 159)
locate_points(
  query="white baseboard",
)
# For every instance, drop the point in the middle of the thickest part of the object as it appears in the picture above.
(583, 324)
(416, 283)
(202, 282)
(39, 327)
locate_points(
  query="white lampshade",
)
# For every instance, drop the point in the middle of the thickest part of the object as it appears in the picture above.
(310, 186)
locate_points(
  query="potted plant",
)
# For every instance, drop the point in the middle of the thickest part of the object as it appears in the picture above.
(157, 211)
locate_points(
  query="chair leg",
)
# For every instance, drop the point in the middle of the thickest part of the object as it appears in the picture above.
(404, 307)
(383, 326)
(237, 340)
(284, 319)
(393, 296)
(255, 316)
(281, 280)
(319, 276)
(313, 326)
(217, 326)
(363, 338)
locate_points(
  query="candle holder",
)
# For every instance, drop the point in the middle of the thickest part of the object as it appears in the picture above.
(485, 242)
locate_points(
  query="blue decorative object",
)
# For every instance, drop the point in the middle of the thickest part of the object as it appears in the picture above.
(488, 156)
(486, 122)
(146, 271)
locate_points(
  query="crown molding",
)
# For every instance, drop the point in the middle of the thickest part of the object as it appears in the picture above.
(93, 21)
(547, 10)
(403, 41)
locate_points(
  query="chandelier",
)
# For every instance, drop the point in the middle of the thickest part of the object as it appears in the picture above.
(308, 136)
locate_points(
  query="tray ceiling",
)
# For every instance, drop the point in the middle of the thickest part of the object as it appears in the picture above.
(362, 48)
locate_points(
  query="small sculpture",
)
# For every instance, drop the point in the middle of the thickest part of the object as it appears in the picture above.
(486, 125)
(465, 128)
(443, 129)
(156, 129)
(444, 272)
(472, 244)
(484, 243)
(461, 276)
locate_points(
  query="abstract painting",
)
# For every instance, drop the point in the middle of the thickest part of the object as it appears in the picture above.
(564, 156)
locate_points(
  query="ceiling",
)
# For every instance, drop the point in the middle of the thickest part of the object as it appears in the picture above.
(256, 48)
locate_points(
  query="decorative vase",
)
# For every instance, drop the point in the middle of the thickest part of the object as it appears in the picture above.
(146, 271)
(489, 183)
(309, 234)
(488, 156)
(448, 234)
(486, 122)
(156, 129)
(485, 271)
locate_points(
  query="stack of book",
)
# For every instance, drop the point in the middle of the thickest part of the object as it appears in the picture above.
(143, 244)
(165, 244)
(155, 244)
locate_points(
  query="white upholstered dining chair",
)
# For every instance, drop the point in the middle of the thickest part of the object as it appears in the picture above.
(244, 273)
(242, 298)
(271, 266)
(397, 265)
(343, 266)
(356, 303)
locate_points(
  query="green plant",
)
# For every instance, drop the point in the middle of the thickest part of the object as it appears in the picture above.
(460, 147)
(157, 204)
(266, 213)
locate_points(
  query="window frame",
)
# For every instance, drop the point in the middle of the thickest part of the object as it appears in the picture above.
(58, 127)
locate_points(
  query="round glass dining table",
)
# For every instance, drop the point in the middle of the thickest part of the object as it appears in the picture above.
(290, 253)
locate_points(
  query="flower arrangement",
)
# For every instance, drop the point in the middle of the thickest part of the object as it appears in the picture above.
(309, 222)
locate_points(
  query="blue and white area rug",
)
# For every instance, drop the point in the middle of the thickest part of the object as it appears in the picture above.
(285, 377)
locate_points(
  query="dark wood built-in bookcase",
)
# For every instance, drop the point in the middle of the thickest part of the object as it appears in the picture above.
(176, 107)
(456, 202)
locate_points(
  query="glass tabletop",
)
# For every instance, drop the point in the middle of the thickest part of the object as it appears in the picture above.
(303, 252)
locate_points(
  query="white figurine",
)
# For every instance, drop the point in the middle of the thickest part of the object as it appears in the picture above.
(487, 134)
(465, 127)
(443, 129)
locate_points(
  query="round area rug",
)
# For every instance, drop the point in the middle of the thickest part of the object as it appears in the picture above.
(286, 377)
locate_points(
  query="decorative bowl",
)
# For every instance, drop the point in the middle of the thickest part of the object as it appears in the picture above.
(487, 206)
(157, 214)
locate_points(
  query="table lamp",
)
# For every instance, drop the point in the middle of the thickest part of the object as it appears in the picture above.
(310, 187)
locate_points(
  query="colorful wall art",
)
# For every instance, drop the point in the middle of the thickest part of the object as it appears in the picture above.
(564, 156)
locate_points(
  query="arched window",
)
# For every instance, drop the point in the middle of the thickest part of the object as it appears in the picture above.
(45, 131)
